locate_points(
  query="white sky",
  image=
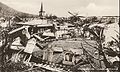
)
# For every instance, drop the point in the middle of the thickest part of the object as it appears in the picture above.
(61, 7)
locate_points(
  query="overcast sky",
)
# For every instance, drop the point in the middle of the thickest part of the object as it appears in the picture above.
(61, 7)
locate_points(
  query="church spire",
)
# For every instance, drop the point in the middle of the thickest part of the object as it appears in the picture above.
(41, 11)
(41, 7)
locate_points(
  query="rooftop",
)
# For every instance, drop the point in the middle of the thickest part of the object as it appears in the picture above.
(36, 22)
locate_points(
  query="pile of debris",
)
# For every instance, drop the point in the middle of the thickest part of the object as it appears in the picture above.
(33, 45)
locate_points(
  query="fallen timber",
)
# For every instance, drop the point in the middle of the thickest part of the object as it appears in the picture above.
(53, 67)
(47, 67)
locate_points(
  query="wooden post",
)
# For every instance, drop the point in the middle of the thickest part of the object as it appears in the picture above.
(29, 58)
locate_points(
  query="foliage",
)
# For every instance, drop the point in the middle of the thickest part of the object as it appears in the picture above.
(97, 32)
(19, 66)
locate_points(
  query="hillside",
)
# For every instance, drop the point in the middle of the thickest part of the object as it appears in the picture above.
(8, 11)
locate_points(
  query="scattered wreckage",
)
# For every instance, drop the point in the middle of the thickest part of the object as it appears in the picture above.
(31, 44)
(25, 40)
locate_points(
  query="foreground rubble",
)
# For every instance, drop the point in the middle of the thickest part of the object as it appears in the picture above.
(51, 48)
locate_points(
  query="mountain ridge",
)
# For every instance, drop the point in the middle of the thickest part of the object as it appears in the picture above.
(8, 11)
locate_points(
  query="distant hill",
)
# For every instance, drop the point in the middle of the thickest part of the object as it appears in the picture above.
(8, 11)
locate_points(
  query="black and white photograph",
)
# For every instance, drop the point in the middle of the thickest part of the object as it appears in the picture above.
(59, 36)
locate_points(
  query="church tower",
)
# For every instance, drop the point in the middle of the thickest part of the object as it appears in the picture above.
(41, 12)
